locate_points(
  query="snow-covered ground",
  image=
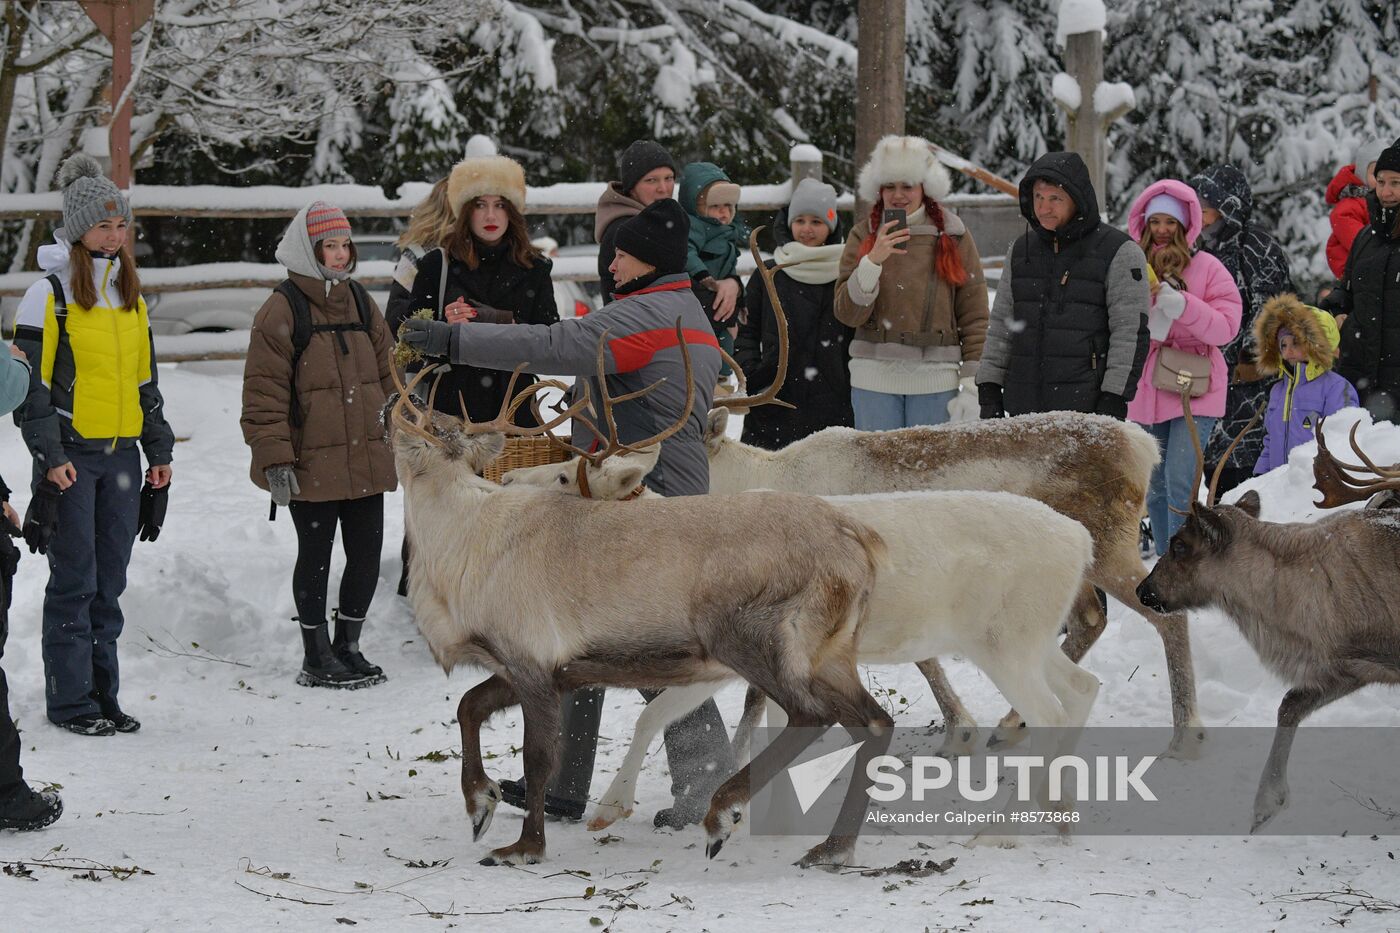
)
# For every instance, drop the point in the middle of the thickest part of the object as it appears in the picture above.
(250, 803)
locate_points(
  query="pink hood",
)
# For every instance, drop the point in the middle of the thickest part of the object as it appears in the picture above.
(1137, 221)
(1211, 318)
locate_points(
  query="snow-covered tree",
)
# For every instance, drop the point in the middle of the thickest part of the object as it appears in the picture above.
(1282, 88)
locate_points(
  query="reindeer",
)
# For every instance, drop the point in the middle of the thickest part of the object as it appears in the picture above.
(1091, 468)
(989, 576)
(997, 595)
(1325, 634)
(499, 585)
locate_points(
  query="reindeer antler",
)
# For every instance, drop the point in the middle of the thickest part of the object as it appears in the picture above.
(1332, 478)
(612, 445)
(768, 396)
(1211, 491)
(501, 424)
(401, 420)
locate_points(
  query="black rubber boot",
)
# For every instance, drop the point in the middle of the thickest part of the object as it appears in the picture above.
(347, 648)
(25, 810)
(405, 558)
(513, 793)
(321, 667)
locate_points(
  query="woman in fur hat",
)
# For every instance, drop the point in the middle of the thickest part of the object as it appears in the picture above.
(915, 295)
(1300, 344)
(493, 274)
(1195, 310)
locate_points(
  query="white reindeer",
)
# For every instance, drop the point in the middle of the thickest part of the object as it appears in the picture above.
(1091, 468)
(988, 576)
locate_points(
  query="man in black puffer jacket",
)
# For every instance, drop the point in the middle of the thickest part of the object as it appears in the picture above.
(1068, 330)
(1370, 297)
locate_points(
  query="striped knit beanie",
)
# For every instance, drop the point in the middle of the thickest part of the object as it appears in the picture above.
(324, 221)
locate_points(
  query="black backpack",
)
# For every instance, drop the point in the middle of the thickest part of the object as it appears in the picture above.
(302, 329)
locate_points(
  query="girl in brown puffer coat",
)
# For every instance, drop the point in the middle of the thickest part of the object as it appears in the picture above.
(311, 414)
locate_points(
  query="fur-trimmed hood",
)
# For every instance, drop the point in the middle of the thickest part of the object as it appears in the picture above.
(496, 174)
(909, 159)
(1313, 329)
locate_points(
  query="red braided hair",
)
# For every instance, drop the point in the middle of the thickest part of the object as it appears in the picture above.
(947, 264)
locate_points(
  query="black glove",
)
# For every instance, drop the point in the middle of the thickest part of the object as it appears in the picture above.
(41, 518)
(989, 397)
(1112, 405)
(430, 338)
(153, 502)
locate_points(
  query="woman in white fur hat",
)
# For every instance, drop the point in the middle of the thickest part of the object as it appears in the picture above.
(493, 274)
(915, 295)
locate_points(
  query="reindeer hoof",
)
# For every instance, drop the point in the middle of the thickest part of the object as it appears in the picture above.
(720, 826)
(513, 855)
(960, 741)
(830, 855)
(1007, 734)
(606, 815)
(996, 841)
(1186, 744)
(1267, 804)
(481, 806)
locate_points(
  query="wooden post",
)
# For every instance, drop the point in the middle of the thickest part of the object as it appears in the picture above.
(118, 19)
(1086, 130)
(879, 75)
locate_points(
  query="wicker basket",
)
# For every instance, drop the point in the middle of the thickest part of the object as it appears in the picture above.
(523, 452)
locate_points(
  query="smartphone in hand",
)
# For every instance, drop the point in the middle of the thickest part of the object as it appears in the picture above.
(900, 217)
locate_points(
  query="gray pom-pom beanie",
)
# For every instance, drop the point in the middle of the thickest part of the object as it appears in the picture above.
(89, 197)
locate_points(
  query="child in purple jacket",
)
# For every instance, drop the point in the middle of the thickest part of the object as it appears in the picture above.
(1301, 341)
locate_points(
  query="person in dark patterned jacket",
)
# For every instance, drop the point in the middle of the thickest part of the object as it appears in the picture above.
(1260, 269)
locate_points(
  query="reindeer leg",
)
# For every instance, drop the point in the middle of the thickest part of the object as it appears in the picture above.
(867, 723)
(1087, 621)
(754, 701)
(959, 729)
(539, 702)
(477, 705)
(1120, 578)
(671, 704)
(727, 804)
(1297, 705)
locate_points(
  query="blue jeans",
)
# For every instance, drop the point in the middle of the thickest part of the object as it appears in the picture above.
(1171, 479)
(881, 411)
(88, 554)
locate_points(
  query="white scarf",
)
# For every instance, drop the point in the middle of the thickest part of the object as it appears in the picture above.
(819, 263)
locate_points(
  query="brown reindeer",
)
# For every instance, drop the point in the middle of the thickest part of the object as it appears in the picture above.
(500, 584)
(1326, 634)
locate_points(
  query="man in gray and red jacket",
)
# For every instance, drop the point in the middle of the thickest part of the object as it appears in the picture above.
(640, 349)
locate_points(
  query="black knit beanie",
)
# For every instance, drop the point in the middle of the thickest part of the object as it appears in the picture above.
(640, 158)
(657, 236)
(1389, 160)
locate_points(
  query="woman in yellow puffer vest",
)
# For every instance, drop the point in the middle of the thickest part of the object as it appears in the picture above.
(92, 399)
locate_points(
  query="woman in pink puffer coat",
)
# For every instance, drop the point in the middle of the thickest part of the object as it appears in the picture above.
(1195, 309)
